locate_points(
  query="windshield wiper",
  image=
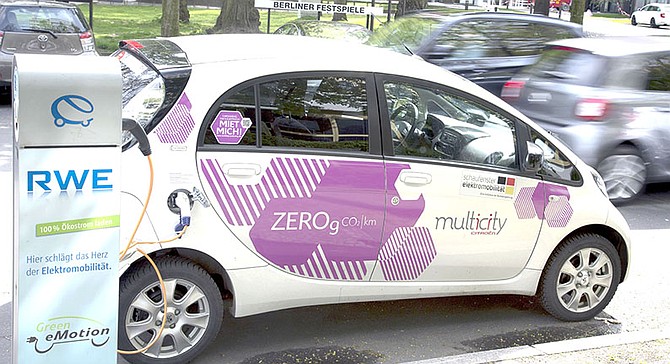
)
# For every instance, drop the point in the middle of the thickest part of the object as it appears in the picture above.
(40, 31)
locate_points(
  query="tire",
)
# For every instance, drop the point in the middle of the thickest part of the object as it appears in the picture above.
(633, 22)
(652, 23)
(580, 278)
(195, 311)
(624, 173)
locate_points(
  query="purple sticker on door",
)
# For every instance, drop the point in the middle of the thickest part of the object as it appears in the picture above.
(229, 127)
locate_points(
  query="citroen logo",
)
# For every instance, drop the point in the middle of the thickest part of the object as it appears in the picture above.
(42, 38)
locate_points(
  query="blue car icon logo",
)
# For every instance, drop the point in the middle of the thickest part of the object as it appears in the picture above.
(72, 109)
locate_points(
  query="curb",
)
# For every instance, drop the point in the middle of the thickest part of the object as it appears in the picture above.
(550, 348)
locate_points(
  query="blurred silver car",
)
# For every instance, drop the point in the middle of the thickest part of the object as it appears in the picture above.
(41, 27)
(609, 100)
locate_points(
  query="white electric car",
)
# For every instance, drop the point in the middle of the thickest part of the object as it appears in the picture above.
(314, 171)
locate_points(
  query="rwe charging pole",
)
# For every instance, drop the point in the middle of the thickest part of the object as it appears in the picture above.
(67, 133)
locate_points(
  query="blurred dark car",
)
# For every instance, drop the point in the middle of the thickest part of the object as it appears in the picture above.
(609, 100)
(325, 29)
(487, 48)
(41, 27)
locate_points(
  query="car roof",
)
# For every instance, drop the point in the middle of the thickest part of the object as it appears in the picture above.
(495, 15)
(617, 46)
(317, 51)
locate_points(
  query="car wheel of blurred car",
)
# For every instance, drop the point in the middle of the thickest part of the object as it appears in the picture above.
(652, 23)
(193, 318)
(580, 278)
(624, 174)
(633, 21)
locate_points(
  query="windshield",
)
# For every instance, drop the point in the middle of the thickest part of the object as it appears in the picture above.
(56, 20)
(404, 33)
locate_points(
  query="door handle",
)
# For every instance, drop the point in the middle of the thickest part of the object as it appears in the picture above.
(415, 178)
(241, 169)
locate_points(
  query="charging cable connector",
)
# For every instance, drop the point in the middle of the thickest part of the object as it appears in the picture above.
(184, 202)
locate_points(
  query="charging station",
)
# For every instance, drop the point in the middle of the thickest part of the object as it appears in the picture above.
(67, 134)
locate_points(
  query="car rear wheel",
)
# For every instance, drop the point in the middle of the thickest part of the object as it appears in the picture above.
(193, 317)
(580, 278)
(624, 174)
(652, 23)
(633, 21)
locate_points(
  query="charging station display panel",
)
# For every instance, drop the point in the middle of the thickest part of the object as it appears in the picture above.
(67, 274)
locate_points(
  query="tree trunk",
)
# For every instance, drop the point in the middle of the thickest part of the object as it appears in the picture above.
(170, 18)
(237, 16)
(340, 16)
(541, 7)
(184, 15)
(408, 6)
(577, 11)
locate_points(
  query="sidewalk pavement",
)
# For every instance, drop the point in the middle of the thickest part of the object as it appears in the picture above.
(650, 347)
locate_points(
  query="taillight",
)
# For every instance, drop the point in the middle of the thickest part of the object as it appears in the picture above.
(87, 42)
(591, 109)
(512, 90)
(662, 15)
(1, 35)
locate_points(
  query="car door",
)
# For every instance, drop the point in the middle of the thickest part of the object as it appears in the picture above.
(459, 207)
(293, 168)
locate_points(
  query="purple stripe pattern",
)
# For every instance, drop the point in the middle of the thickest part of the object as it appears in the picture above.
(285, 178)
(407, 253)
(545, 201)
(177, 124)
(326, 219)
(319, 266)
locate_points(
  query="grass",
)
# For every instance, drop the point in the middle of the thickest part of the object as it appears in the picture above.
(112, 23)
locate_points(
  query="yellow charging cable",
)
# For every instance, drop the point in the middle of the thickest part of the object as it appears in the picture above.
(144, 209)
(133, 244)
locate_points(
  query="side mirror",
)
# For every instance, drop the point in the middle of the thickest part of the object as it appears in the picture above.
(534, 158)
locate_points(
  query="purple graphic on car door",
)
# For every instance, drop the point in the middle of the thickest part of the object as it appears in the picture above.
(325, 219)
(547, 202)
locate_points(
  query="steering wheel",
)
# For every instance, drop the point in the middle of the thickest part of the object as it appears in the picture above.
(404, 113)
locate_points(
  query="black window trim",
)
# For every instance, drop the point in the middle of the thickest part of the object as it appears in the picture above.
(374, 137)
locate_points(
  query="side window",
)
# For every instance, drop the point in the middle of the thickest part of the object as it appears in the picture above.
(302, 112)
(472, 39)
(438, 124)
(658, 74)
(556, 165)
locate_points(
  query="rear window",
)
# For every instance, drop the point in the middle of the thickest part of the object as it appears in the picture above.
(57, 20)
(578, 67)
(569, 65)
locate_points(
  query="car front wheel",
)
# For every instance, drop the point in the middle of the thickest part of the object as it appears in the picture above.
(580, 278)
(193, 316)
(633, 21)
(624, 173)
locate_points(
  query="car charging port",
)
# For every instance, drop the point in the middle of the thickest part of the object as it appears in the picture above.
(180, 202)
